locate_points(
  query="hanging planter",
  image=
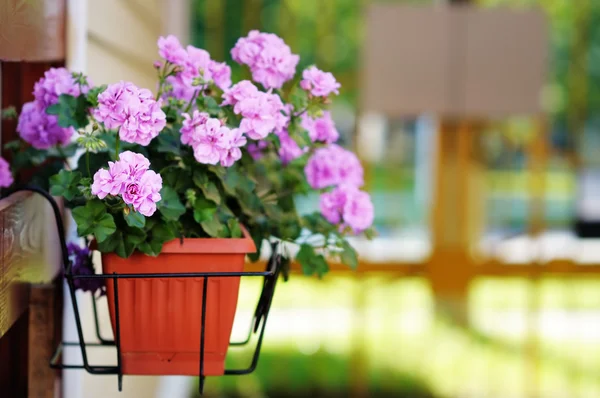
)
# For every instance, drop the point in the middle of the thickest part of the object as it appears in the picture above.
(216, 285)
(176, 189)
(159, 317)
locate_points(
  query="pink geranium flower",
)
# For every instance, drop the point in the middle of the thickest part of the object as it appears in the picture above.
(332, 166)
(133, 110)
(319, 83)
(56, 81)
(349, 207)
(6, 178)
(130, 178)
(41, 130)
(270, 60)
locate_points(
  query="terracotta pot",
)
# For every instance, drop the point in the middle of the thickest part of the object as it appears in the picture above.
(160, 318)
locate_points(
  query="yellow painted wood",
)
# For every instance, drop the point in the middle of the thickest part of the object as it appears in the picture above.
(214, 28)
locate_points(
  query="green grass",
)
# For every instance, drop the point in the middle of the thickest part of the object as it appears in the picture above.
(409, 351)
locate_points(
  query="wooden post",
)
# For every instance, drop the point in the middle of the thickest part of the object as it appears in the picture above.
(456, 220)
(45, 312)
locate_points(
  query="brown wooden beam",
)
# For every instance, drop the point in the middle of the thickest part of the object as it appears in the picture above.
(45, 314)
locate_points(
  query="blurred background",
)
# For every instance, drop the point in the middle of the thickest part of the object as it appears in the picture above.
(479, 127)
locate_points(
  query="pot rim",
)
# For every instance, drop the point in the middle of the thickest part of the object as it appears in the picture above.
(211, 245)
(242, 245)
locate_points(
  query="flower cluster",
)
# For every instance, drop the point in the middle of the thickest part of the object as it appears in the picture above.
(131, 109)
(41, 130)
(193, 64)
(349, 207)
(289, 149)
(130, 178)
(333, 165)
(212, 141)
(270, 60)
(35, 126)
(228, 153)
(56, 81)
(346, 205)
(319, 83)
(6, 178)
(321, 129)
(81, 264)
(260, 111)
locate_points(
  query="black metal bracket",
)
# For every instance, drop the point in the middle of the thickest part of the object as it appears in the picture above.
(257, 326)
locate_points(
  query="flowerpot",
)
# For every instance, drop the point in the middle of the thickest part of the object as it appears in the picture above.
(160, 318)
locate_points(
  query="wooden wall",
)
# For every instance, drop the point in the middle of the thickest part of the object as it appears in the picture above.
(32, 39)
(122, 37)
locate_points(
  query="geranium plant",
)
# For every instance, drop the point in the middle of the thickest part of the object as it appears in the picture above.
(200, 157)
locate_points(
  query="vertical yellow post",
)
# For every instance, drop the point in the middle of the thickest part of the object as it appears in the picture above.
(538, 158)
(457, 216)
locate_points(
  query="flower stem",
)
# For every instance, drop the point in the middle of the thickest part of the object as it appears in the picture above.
(117, 143)
(189, 106)
(299, 113)
(162, 76)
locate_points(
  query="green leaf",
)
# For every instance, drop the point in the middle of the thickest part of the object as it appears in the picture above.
(218, 171)
(92, 219)
(211, 192)
(158, 234)
(13, 145)
(135, 219)
(301, 137)
(209, 104)
(71, 111)
(152, 248)
(214, 227)
(9, 113)
(104, 226)
(311, 262)
(162, 233)
(170, 206)
(316, 223)
(234, 228)
(177, 178)
(113, 243)
(53, 109)
(204, 210)
(299, 98)
(27, 158)
(97, 161)
(257, 236)
(135, 235)
(200, 178)
(250, 203)
(92, 95)
(65, 184)
(41, 176)
(314, 110)
(66, 151)
(208, 188)
(233, 181)
(168, 143)
(348, 255)
(123, 243)
(132, 238)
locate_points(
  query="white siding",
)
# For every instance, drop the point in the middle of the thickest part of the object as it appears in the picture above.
(122, 38)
